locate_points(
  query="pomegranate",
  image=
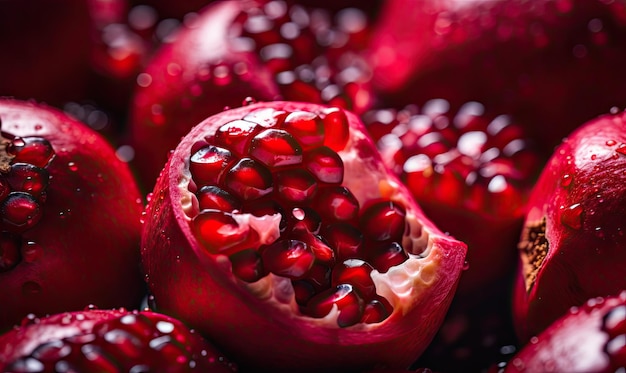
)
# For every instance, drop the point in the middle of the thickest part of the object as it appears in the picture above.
(527, 58)
(589, 338)
(276, 230)
(234, 49)
(112, 340)
(468, 168)
(70, 228)
(571, 248)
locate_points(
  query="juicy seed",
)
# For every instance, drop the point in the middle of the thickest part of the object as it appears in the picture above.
(306, 127)
(235, 135)
(355, 272)
(345, 239)
(336, 129)
(209, 163)
(33, 150)
(10, 251)
(325, 164)
(275, 148)
(211, 197)
(219, 232)
(306, 219)
(376, 310)
(295, 186)
(348, 301)
(247, 265)
(383, 221)
(249, 179)
(288, 258)
(337, 204)
(20, 211)
(383, 256)
(28, 178)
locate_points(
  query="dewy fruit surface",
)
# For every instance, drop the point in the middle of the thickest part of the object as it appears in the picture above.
(571, 248)
(293, 249)
(55, 175)
(114, 340)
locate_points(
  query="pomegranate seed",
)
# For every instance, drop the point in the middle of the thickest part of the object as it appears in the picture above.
(306, 127)
(211, 197)
(20, 211)
(336, 204)
(305, 218)
(275, 148)
(345, 239)
(247, 265)
(27, 178)
(266, 206)
(303, 290)
(219, 232)
(376, 310)
(248, 179)
(33, 150)
(348, 301)
(235, 135)
(336, 128)
(322, 252)
(383, 221)
(288, 258)
(5, 188)
(325, 164)
(9, 251)
(209, 163)
(355, 272)
(266, 117)
(295, 186)
(386, 255)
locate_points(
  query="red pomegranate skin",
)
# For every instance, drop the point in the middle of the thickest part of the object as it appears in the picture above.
(54, 68)
(85, 247)
(529, 59)
(256, 327)
(571, 248)
(111, 340)
(589, 338)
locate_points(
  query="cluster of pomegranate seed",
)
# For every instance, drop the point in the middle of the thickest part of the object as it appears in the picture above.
(286, 176)
(614, 325)
(309, 54)
(23, 183)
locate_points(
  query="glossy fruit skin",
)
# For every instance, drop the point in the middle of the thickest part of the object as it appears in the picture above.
(585, 339)
(85, 248)
(571, 248)
(126, 337)
(201, 289)
(529, 59)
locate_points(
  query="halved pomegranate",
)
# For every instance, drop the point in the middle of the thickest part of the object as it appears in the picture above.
(572, 246)
(267, 49)
(115, 340)
(69, 217)
(590, 338)
(295, 250)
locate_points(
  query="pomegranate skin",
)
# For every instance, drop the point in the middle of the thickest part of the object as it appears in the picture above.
(586, 339)
(256, 330)
(571, 247)
(85, 248)
(129, 339)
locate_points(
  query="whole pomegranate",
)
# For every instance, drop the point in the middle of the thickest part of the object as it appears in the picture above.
(530, 59)
(70, 227)
(276, 230)
(589, 338)
(237, 49)
(571, 248)
(112, 340)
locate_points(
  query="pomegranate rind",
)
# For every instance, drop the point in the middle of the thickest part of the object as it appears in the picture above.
(576, 342)
(76, 263)
(580, 198)
(259, 324)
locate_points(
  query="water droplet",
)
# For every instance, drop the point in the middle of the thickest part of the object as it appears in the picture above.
(466, 265)
(610, 142)
(31, 288)
(72, 166)
(566, 180)
(29, 320)
(91, 307)
(594, 157)
(572, 216)
(621, 149)
(32, 251)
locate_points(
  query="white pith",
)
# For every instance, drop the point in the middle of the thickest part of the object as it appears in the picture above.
(399, 285)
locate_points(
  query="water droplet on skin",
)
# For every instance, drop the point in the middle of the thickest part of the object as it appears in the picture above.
(32, 251)
(594, 157)
(610, 142)
(29, 320)
(621, 149)
(572, 216)
(566, 180)
(90, 307)
(466, 265)
(72, 166)
(31, 288)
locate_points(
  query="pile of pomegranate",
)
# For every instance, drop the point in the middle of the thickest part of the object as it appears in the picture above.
(313, 186)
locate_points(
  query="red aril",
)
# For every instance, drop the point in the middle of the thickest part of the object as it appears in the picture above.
(267, 286)
(70, 210)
